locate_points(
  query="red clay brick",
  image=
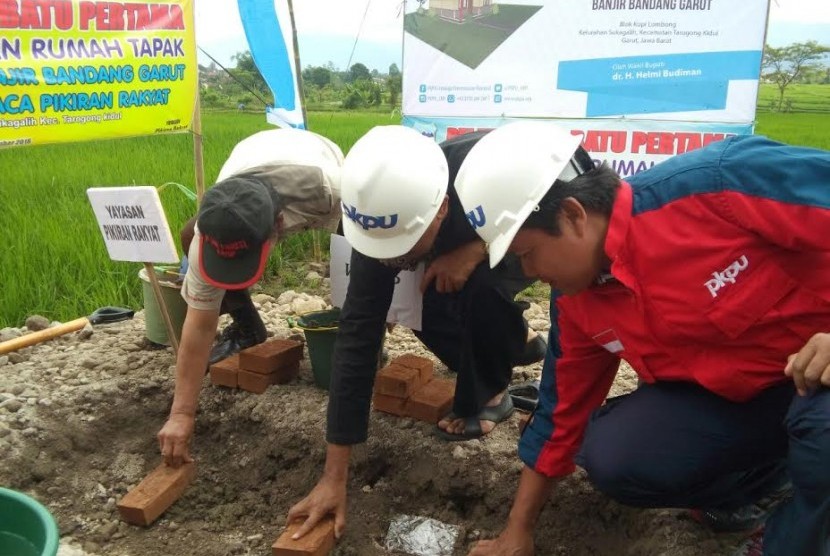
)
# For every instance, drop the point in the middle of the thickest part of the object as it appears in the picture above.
(399, 382)
(423, 365)
(317, 542)
(155, 493)
(433, 401)
(389, 404)
(224, 372)
(258, 383)
(269, 356)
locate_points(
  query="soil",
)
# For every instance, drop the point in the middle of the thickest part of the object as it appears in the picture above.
(79, 415)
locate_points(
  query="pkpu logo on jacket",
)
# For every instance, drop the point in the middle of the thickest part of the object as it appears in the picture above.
(367, 221)
(476, 217)
(726, 276)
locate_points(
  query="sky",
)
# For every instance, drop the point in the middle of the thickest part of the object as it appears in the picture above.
(327, 29)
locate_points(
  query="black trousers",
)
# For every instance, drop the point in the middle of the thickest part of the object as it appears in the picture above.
(234, 302)
(679, 445)
(477, 333)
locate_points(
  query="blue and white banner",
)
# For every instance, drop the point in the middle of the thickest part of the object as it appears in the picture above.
(628, 146)
(267, 25)
(673, 60)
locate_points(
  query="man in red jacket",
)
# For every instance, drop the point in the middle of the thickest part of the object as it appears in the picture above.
(710, 275)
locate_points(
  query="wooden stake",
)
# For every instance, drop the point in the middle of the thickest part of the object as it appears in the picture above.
(198, 160)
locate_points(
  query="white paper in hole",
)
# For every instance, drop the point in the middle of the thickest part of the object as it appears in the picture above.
(407, 300)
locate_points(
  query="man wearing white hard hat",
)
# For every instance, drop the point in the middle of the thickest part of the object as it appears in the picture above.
(708, 273)
(400, 208)
(274, 183)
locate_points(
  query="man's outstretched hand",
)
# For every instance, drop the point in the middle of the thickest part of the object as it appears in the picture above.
(174, 439)
(327, 497)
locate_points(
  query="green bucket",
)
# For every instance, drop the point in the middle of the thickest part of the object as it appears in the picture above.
(320, 328)
(26, 527)
(155, 329)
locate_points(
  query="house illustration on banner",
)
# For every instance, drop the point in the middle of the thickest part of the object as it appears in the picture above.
(460, 11)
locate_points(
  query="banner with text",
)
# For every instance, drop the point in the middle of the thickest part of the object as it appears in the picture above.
(73, 70)
(628, 146)
(680, 60)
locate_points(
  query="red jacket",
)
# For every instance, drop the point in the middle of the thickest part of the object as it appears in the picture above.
(721, 266)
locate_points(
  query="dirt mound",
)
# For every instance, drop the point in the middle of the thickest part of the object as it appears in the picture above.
(78, 419)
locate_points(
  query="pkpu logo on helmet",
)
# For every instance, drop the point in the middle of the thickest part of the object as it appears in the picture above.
(476, 217)
(366, 221)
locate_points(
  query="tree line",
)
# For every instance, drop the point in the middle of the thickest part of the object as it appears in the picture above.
(324, 87)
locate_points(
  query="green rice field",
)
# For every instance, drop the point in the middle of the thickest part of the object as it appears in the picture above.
(797, 98)
(53, 261)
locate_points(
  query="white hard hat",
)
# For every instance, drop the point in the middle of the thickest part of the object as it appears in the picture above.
(392, 184)
(506, 174)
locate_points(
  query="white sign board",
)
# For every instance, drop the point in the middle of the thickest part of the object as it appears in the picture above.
(407, 300)
(133, 224)
(686, 60)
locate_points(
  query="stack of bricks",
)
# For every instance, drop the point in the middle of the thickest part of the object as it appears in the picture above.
(407, 388)
(256, 368)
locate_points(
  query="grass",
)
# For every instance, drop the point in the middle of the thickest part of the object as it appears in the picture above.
(796, 129)
(54, 261)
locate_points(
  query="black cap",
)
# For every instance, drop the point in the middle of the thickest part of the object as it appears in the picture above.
(236, 222)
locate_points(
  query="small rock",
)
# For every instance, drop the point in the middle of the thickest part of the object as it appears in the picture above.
(37, 322)
(12, 405)
(173, 526)
(9, 334)
(108, 530)
(285, 298)
(300, 306)
(16, 358)
(459, 453)
(312, 277)
(539, 324)
(89, 363)
(86, 332)
(252, 538)
(17, 389)
(366, 489)
(4, 430)
(4, 360)
(29, 432)
(262, 298)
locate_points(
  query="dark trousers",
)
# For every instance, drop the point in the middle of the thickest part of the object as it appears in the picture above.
(678, 445)
(478, 333)
(234, 302)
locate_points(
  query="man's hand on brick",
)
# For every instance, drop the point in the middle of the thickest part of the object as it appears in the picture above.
(174, 439)
(327, 497)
